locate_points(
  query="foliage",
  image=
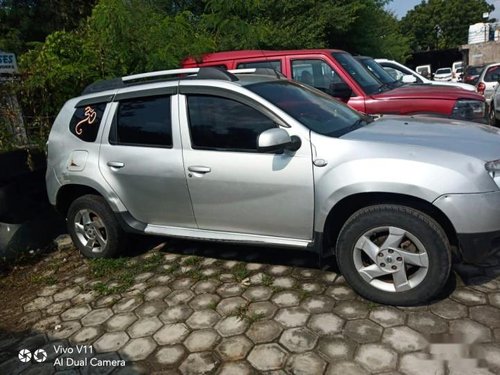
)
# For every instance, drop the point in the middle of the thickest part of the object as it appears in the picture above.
(440, 24)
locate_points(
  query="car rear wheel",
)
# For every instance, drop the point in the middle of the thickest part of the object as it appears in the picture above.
(394, 255)
(93, 228)
(491, 116)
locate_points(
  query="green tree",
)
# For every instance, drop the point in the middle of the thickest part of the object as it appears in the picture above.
(440, 24)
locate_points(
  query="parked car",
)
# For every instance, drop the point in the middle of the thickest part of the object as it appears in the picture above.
(443, 74)
(455, 70)
(424, 70)
(258, 159)
(488, 80)
(378, 71)
(471, 74)
(340, 75)
(459, 75)
(410, 76)
(494, 108)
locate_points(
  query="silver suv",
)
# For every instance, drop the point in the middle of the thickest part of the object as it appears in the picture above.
(250, 157)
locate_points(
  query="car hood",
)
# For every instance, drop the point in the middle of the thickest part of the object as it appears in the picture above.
(428, 92)
(464, 86)
(478, 141)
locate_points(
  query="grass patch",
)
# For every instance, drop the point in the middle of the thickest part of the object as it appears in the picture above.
(212, 305)
(104, 267)
(267, 280)
(46, 280)
(192, 261)
(303, 294)
(240, 271)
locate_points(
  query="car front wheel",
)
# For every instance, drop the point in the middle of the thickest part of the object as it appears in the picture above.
(93, 228)
(394, 255)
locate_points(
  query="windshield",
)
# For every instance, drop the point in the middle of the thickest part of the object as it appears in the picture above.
(474, 70)
(379, 72)
(443, 71)
(313, 108)
(367, 81)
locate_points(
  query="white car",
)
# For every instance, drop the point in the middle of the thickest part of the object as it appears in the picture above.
(443, 74)
(410, 76)
(488, 81)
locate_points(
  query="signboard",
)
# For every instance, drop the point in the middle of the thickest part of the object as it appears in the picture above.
(8, 64)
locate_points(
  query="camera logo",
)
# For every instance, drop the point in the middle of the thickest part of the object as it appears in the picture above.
(39, 355)
(24, 355)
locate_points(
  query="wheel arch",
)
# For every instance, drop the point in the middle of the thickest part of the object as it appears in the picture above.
(341, 211)
(68, 193)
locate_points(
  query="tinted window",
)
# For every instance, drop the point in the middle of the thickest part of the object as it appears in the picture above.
(143, 122)
(276, 65)
(493, 74)
(316, 110)
(86, 121)
(367, 81)
(316, 73)
(218, 123)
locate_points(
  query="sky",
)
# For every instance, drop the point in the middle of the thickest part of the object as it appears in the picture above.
(400, 7)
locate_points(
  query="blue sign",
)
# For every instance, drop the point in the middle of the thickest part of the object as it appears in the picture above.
(8, 64)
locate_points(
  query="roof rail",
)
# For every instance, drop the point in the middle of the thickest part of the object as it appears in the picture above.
(160, 73)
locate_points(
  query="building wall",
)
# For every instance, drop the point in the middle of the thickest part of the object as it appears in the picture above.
(482, 53)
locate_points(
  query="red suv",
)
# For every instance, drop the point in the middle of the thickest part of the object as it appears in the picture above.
(337, 73)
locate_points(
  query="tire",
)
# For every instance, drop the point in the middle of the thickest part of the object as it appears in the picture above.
(491, 116)
(91, 222)
(374, 276)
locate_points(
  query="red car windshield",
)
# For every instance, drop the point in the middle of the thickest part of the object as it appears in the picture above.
(367, 81)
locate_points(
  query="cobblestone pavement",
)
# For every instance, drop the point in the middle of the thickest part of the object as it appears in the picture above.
(186, 314)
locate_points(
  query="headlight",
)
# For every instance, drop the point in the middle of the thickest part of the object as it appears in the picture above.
(469, 110)
(493, 168)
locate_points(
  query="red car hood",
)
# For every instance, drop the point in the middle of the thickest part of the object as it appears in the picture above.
(428, 92)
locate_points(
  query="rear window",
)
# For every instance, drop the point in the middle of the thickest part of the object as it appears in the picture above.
(493, 74)
(443, 71)
(86, 121)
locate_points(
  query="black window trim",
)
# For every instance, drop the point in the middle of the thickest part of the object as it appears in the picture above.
(113, 136)
(278, 60)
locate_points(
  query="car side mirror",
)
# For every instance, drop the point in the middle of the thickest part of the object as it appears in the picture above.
(340, 90)
(408, 78)
(277, 140)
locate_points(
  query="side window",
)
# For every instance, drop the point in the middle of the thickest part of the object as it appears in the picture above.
(274, 64)
(316, 73)
(493, 74)
(396, 74)
(218, 123)
(143, 122)
(86, 121)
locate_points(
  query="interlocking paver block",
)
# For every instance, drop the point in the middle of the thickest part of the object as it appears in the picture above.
(351, 310)
(64, 330)
(314, 288)
(363, 331)
(150, 309)
(234, 348)
(387, 316)
(284, 282)
(404, 339)
(279, 270)
(470, 331)
(469, 297)
(230, 290)
(48, 290)
(85, 297)
(76, 312)
(38, 303)
(160, 279)
(490, 353)
(264, 331)
(178, 297)
(143, 277)
(263, 310)
(58, 307)
(86, 335)
(106, 301)
(292, 316)
(138, 349)
(199, 363)
(175, 314)
(376, 357)
(345, 368)
(201, 340)
(96, 317)
(157, 292)
(228, 306)
(418, 363)
(239, 368)
(232, 325)
(487, 315)
(111, 342)
(267, 357)
(204, 301)
(326, 323)
(181, 284)
(340, 292)
(449, 309)
(171, 334)
(336, 349)
(203, 319)
(427, 323)
(144, 327)
(67, 293)
(206, 286)
(47, 324)
(170, 355)
(286, 299)
(258, 293)
(298, 340)
(120, 322)
(127, 304)
(318, 304)
(305, 363)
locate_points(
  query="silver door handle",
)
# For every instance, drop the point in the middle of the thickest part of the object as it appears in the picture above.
(116, 164)
(199, 169)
